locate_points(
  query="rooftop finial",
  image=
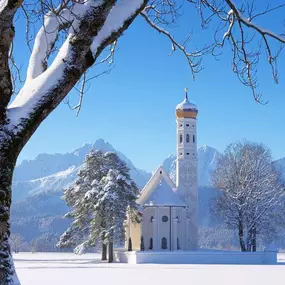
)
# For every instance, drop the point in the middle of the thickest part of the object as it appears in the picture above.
(186, 93)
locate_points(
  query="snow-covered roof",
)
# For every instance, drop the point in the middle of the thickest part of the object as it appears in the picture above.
(186, 105)
(164, 195)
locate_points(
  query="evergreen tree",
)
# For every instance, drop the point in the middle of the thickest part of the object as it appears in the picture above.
(99, 199)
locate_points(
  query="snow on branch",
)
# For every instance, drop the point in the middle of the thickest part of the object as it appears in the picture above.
(45, 41)
(122, 12)
(93, 25)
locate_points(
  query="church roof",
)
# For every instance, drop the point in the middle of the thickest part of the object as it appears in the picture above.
(159, 191)
(163, 195)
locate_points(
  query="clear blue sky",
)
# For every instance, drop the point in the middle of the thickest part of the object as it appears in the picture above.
(133, 106)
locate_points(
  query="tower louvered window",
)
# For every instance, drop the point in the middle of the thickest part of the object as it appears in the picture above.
(187, 138)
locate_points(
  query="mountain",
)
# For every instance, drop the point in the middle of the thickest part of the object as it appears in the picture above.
(280, 165)
(207, 163)
(54, 172)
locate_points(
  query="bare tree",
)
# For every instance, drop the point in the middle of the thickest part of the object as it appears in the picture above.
(16, 241)
(252, 195)
(77, 34)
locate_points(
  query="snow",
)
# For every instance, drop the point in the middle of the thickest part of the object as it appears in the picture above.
(69, 269)
(44, 41)
(164, 195)
(3, 4)
(118, 15)
(186, 105)
(33, 92)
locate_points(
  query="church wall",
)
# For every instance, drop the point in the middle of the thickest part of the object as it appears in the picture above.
(177, 233)
(135, 235)
(149, 223)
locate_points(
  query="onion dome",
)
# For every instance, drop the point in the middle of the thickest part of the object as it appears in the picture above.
(186, 109)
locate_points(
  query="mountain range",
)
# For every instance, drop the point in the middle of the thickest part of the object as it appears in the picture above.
(38, 185)
(49, 173)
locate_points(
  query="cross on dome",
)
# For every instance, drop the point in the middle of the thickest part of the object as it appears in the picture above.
(186, 93)
(186, 109)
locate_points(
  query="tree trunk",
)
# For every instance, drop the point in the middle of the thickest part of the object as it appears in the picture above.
(110, 252)
(240, 234)
(253, 240)
(249, 240)
(104, 252)
(8, 158)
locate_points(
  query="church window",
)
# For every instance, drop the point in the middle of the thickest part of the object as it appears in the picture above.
(164, 219)
(151, 219)
(160, 172)
(181, 125)
(193, 138)
(181, 139)
(180, 153)
(187, 138)
(178, 245)
(187, 125)
(164, 243)
(187, 153)
(151, 243)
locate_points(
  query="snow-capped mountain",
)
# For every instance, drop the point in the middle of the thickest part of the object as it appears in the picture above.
(54, 172)
(207, 163)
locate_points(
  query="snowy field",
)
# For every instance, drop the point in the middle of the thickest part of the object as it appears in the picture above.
(69, 269)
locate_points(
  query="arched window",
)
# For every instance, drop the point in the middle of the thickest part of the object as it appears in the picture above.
(187, 138)
(193, 138)
(151, 219)
(181, 139)
(150, 243)
(178, 245)
(164, 243)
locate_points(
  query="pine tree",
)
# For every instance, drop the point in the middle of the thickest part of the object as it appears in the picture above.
(118, 194)
(99, 199)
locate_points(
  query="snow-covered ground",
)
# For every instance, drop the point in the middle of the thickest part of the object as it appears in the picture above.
(69, 269)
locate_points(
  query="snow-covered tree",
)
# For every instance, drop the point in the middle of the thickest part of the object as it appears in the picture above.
(73, 35)
(16, 242)
(100, 199)
(252, 195)
(118, 193)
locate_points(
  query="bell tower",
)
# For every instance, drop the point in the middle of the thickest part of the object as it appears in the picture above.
(186, 167)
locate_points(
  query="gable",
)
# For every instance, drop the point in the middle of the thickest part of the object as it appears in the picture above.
(163, 195)
(160, 190)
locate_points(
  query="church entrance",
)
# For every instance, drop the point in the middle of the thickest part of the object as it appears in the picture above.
(164, 236)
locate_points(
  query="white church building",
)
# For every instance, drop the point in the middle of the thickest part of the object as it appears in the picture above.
(169, 211)
(168, 232)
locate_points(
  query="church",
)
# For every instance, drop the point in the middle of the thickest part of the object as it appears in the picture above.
(169, 210)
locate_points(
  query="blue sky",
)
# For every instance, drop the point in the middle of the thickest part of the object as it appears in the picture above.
(133, 106)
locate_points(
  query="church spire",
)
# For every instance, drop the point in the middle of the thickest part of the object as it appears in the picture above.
(186, 93)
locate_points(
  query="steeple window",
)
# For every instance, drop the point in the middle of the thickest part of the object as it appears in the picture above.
(187, 138)
(194, 139)
(181, 138)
